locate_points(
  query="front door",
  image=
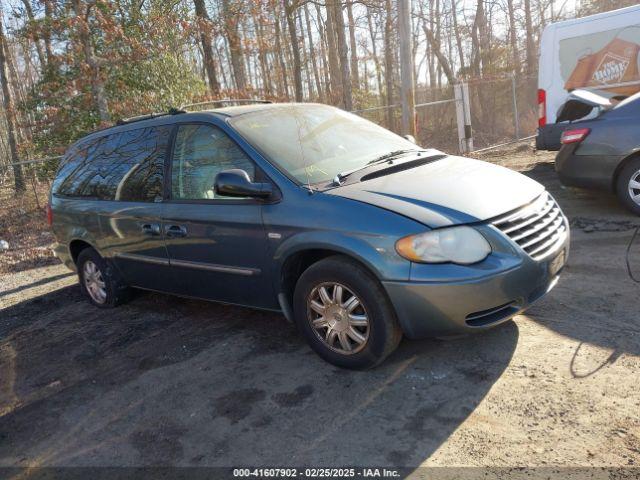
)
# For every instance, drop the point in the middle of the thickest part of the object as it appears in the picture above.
(216, 245)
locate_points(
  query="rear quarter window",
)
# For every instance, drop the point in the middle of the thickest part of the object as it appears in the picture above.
(126, 166)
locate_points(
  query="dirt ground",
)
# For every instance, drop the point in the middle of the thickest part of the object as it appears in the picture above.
(168, 381)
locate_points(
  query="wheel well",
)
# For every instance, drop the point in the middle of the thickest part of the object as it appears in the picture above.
(621, 166)
(297, 263)
(77, 246)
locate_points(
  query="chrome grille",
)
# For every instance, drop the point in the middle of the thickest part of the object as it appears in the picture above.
(539, 228)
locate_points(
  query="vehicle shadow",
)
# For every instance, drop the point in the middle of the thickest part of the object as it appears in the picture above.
(168, 381)
(595, 301)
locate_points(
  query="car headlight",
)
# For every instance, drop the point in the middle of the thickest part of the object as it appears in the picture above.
(462, 245)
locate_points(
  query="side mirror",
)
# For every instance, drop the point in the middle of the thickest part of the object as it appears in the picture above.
(236, 183)
(411, 138)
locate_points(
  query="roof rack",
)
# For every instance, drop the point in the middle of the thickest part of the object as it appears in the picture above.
(139, 118)
(224, 101)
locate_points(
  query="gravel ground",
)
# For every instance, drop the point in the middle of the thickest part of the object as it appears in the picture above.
(168, 381)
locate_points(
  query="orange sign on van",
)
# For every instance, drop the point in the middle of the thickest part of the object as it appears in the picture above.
(616, 63)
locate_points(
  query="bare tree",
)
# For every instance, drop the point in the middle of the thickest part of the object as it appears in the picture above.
(513, 39)
(232, 28)
(83, 15)
(343, 50)
(312, 53)
(353, 46)
(376, 59)
(18, 179)
(530, 48)
(290, 12)
(32, 21)
(205, 27)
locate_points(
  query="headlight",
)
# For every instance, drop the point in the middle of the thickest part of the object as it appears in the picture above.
(462, 245)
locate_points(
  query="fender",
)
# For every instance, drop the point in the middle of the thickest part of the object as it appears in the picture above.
(365, 248)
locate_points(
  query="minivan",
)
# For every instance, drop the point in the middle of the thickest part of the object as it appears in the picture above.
(355, 234)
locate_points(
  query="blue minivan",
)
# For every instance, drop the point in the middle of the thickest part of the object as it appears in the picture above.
(354, 233)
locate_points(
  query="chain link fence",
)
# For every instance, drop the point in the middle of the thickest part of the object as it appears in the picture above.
(501, 110)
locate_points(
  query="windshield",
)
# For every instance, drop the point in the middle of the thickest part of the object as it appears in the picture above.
(314, 143)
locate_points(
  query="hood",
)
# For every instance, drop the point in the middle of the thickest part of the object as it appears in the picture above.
(581, 103)
(450, 191)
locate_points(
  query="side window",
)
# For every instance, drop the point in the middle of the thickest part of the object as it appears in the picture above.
(77, 168)
(127, 166)
(143, 151)
(199, 154)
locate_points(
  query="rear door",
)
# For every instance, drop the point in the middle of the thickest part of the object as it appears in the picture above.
(131, 171)
(216, 244)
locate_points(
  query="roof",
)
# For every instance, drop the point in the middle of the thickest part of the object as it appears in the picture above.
(254, 107)
(177, 115)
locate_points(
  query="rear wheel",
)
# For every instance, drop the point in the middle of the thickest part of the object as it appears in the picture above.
(344, 314)
(628, 186)
(99, 281)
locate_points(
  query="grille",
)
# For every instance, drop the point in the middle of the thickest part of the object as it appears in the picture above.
(539, 228)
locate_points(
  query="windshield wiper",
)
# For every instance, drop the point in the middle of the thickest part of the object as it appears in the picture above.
(382, 158)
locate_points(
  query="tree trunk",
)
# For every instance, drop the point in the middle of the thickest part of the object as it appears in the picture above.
(374, 51)
(312, 52)
(530, 49)
(334, 62)
(407, 93)
(231, 27)
(343, 50)
(513, 39)
(18, 179)
(305, 57)
(284, 85)
(290, 12)
(456, 31)
(355, 77)
(225, 82)
(84, 35)
(323, 54)
(32, 24)
(388, 59)
(434, 43)
(46, 35)
(262, 52)
(476, 54)
(204, 25)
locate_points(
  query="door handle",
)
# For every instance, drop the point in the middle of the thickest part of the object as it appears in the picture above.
(176, 231)
(151, 229)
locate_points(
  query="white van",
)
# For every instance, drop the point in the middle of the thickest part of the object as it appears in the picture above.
(599, 52)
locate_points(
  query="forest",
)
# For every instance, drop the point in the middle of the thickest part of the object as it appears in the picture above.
(68, 67)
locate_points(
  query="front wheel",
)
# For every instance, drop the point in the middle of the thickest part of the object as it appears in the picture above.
(344, 314)
(628, 186)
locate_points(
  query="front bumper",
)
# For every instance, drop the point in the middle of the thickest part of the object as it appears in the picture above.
(427, 309)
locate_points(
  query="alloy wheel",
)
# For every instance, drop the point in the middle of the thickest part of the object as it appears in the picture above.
(634, 187)
(338, 318)
(94, 282)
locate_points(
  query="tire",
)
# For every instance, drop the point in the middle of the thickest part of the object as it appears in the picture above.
(116, 292)
(630, 172)
(336, 324)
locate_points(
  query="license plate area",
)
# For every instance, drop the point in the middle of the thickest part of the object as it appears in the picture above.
(557, 263)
